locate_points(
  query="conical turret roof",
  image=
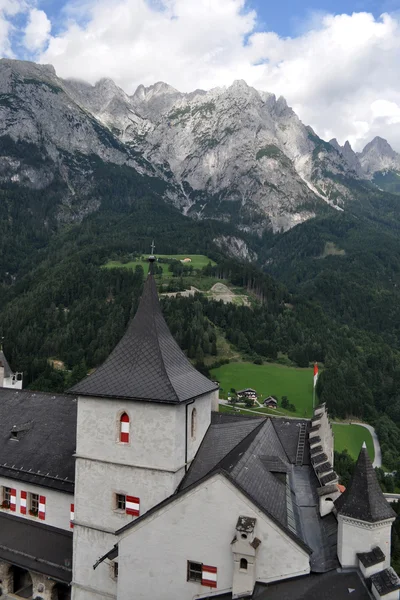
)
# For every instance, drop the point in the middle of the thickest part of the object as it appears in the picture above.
(147, 364)
(363, 498)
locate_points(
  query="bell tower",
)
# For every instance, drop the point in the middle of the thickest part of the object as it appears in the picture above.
(141, 418)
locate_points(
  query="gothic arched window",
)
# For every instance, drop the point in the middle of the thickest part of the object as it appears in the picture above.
(193, 424)
(124, 428)
(243, 564)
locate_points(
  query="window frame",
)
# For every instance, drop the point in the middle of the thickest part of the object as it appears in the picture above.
(192, 574)
(193, 423)
(34, 499)
(120, 502)
(6, 496)
(244, 564)
(120, 433)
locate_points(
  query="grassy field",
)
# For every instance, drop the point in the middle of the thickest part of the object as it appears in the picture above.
(198, 262)
(351, 438)
(269, 380)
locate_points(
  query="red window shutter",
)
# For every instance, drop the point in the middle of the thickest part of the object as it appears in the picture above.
(132, 506)
(23, 503)
(42, 507)
(13, 499)
(124, 429)
(72, 515)
(209, 576)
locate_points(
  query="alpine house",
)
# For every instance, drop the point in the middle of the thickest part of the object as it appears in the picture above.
(134, 486)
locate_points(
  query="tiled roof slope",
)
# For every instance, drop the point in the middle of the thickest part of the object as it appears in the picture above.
(147, 364)
(363, 498)
(5, 365)
(45, 427)
(219, 440)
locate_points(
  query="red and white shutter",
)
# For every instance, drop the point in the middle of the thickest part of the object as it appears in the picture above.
(13, 499)
(124, 429)
(23, 503)
(132, 506)
(42, 507)
(72, 515)
(209, 576)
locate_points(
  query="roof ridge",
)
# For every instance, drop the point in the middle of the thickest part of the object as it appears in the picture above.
(150, 278)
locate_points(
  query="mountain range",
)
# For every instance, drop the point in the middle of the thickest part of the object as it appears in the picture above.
(235, 154)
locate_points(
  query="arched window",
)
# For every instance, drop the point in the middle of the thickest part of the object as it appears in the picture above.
(193, 424)
(124, 429)
(243, 564)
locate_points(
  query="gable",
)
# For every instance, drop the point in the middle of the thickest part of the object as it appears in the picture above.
(199, 525)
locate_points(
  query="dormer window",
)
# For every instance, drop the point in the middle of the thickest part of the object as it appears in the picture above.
(124, 429)
(193, 424)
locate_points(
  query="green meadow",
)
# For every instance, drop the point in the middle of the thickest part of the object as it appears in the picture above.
(351, 438)
(269, 380)
(198, 261)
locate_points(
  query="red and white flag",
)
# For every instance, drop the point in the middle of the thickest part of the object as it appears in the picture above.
(315, 373)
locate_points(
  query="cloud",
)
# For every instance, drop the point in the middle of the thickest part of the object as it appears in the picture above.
(339, 74)
(37, 30)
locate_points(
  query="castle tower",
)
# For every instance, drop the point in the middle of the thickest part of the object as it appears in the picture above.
(364, 516)
(8, 379)
(141, 418)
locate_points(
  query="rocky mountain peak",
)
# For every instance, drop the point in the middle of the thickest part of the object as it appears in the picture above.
(378, 155)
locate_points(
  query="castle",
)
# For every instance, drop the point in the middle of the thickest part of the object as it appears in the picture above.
(134, 486)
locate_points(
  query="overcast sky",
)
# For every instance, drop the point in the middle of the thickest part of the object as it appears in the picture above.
(336, 62)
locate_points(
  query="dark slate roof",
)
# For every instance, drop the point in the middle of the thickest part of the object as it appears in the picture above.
(374, 557)
(5, 365)
(327, 489)
(246, 468)
(219, 440)
(37, 547)
(363, 498)
(147, 364)
(324, 468)
(315, 439)
(42, 451)
(288, 433)
(319, 458)
(328, 478)
(386, 581)
(327, 586)
(316, 450)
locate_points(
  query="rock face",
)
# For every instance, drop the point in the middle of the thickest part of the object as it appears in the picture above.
(234, 154)
(378, 155)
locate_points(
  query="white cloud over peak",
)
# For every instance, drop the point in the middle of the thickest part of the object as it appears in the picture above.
(340, 73)
(37, 30)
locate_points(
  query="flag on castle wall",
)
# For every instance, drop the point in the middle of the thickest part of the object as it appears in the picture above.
(315, 373)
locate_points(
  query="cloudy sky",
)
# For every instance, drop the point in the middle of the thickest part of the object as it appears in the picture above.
(337, 62)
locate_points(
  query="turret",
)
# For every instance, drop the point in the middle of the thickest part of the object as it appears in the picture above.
(364, 516)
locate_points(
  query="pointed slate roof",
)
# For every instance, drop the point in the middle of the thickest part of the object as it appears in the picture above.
(363, 498)
(147, 364)
(5, 365)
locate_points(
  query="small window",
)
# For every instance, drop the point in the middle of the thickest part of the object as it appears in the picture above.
(124, 426)
(193, 424)
(34, 505)
(194, 571)
(120, 501)
(114, 568)
(6, 497)
(243, 564)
